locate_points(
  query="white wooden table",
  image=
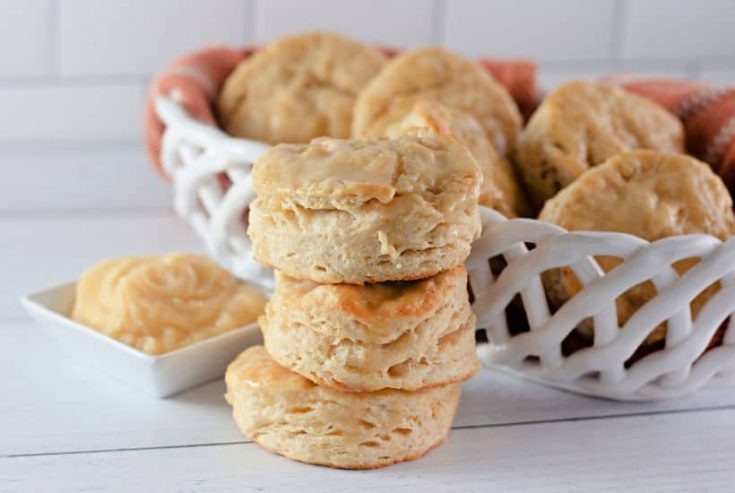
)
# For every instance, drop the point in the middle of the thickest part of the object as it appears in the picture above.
(66, 428)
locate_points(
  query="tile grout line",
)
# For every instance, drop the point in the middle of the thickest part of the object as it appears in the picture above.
(438, 22)
(619, 33)
(94, 212)
(57, 80)
(255, 25)
(454, 428)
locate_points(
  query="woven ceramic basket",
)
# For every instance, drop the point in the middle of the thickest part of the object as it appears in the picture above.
(614, 363)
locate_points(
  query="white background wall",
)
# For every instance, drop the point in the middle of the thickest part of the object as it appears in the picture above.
(76, 71)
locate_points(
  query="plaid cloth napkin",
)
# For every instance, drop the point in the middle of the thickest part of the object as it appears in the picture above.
(708, 114)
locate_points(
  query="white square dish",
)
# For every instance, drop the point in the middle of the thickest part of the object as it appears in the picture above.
(161, 375)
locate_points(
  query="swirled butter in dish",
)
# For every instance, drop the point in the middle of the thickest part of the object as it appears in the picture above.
(162, 323)
(162, 303)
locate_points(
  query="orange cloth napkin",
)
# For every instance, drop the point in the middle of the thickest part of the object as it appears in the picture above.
(708, 114)
(198, 77)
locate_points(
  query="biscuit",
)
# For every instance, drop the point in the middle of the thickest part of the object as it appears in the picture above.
(437, 75)
(400, 335)
(358, 211)
(580, 125)
(500, 188)
(291, 416)
(161, 303)
(297, 88)
(644, 193)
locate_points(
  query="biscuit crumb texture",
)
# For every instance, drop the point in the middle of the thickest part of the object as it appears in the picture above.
(289, 415)
(401, 335)
(370, 210)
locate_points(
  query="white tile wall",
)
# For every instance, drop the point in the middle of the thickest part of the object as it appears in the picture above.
(76, 70)
(721, 76)
(549, 30)
(394, 22)
(62, 177)
(138, 37)
(676, 29)
(552, 74)
(681, 69)
(25, 37)
(67, 113)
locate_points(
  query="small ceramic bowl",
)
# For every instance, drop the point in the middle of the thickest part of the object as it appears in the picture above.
(161, 375)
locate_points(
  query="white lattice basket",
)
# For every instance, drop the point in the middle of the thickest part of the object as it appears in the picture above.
(199, 157)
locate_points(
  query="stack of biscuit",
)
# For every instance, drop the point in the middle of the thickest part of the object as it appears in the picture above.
(370, 330)
(324, 85)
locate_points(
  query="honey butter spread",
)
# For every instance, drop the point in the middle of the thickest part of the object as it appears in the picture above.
(158, 304)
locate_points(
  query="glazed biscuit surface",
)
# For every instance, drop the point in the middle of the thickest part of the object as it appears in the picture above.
(289, 415)
(579, 125)
(500, 189)
(644, 193)
(297, 88)
(334, 172)
(435, 74)
(371, 210)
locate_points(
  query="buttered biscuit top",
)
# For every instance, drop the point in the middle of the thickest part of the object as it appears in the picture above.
(365, 210)
(343, 173)
(500, 188)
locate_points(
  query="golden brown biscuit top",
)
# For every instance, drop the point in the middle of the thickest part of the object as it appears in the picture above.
(438, 75)
(298, 88)
(357, 171)
(645, 193)
(375, 304)
(161, 303)
(584, 123)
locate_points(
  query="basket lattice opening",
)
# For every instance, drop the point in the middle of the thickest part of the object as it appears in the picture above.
(581, 340)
